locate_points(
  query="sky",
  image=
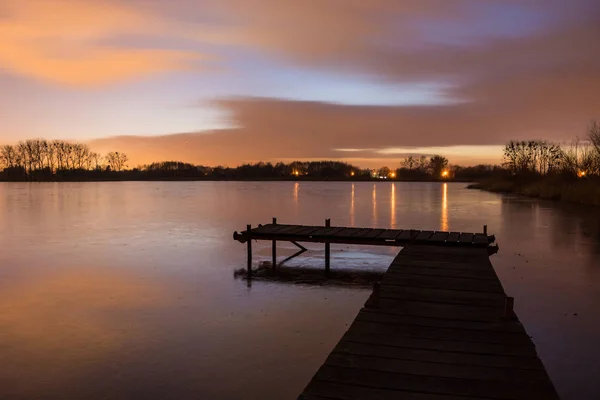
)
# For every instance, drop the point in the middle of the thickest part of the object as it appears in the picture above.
(223, 82)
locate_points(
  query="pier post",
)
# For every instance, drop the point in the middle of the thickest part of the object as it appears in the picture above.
(249, 247)
(485, 229)
(274, 250)
(327, 249)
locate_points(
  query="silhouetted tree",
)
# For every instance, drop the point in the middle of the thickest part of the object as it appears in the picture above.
(437, 164)
(594, 136)
(117, 161)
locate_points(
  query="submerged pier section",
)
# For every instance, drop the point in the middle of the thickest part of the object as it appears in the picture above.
(440, 327)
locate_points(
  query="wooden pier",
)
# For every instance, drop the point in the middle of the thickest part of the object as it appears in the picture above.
(438, 326)
(328, 234)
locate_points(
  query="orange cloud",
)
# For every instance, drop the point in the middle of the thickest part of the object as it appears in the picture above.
(61, 41)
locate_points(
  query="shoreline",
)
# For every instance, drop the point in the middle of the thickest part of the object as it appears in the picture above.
(183, 179)
(581, 191)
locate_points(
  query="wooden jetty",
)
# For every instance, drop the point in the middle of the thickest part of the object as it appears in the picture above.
(361, 236)
(438, 326)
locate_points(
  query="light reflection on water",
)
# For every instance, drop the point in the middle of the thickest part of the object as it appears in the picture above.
(125, 290)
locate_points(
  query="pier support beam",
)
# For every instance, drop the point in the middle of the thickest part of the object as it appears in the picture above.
(274, 250)
(249, 247)
(327, 249)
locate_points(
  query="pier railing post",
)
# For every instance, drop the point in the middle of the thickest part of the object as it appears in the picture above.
(327, 249)
(274, 250)
(485, 229)
(249, 247)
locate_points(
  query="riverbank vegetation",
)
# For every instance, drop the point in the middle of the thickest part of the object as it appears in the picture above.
(546, 170)
(41, 160)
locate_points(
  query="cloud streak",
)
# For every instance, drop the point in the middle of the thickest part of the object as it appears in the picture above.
(535, 75)
(61, 41)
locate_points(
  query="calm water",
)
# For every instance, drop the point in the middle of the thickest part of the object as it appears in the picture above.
(126, 290)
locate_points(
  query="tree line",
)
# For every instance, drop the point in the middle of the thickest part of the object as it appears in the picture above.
(43, 160)
(538, 157)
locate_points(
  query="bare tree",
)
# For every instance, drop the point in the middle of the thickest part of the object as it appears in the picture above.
(594, 135)
(8, 156)
(117, 161)
(95, 161)
(409, 162)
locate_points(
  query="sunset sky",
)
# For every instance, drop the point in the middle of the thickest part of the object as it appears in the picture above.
(232, 81)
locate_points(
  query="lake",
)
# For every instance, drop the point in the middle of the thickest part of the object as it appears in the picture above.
(126, 290)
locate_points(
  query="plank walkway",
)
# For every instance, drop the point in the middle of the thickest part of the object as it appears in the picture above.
(434, 329)
(369, 236)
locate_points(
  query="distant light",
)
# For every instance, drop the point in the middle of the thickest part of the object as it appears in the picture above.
(352, 173)
(445, 173)
(392, 174)
(581, 174)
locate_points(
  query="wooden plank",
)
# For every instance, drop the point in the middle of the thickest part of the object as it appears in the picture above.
(441, 345)
(435, 385)
(390, 234)
(347, 232)
(466, 238)
(407, 235)
(441, 296)
(424, 236)
(442, 293)
(289, 228)
(439, 357)
(453, 237)
(473, 274)
(328, 231)
(378, 315)
(442, 283)
(362, 233)
(374, 233)
(480, 238)
(439, 237)
(445, 264)
(269, 228)
(385, 364)
(437, 310)
(319, 390)
(308, 231)
(425, 332)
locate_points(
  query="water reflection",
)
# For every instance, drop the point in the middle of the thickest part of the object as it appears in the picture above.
(374, 205)
(393, 207)
(352, 207)
(444, 214)
(71, 321)
(296, 192)
(128, 287)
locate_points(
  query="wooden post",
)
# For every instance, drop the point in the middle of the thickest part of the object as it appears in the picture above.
(249, 247)
(274, 250)
(509, 304)
(327, 249)
(485, 229)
